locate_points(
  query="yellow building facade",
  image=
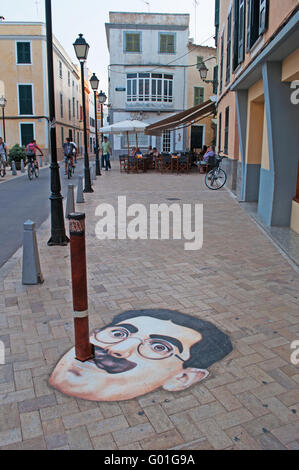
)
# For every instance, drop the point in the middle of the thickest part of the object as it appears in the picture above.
(203, 132)
(258, 104)
(23, 69)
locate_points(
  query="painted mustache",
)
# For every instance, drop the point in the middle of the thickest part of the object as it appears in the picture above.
(111, 364)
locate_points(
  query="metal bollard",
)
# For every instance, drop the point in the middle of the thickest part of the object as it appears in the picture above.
(83, 348)
(31, 274)
(80, 194)
(41, 162)
(22, 166)
(13, 168)
(70, 202)
(94, 172)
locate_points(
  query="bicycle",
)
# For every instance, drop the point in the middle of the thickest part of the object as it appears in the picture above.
(216, 178)
(32, 169)
(70, 168)
(2, 167)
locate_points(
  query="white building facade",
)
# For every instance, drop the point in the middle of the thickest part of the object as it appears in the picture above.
(148, 75)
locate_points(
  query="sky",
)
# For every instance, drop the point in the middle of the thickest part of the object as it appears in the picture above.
(71, 17)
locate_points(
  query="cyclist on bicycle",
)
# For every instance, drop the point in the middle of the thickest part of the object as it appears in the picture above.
(30, 150)
(68, 148)
(3, 151)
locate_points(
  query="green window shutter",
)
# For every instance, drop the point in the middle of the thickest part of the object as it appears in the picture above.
(27, 134)
(198, 95)
(241, 36)
(167, 45)
(25, 99)
(217, 12)
(264, 9)
(215, 80)
(23, 53)
(236, 33)
(229, 47)
(132, 42)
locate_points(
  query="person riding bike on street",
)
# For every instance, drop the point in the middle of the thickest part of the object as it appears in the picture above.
(30, 151)
(68, 148)
(3, 152)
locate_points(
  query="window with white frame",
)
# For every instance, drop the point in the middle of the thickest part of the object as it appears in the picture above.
(25, 100)
(167, 43)
(23, 52)
(166, 141)
(154, 87)
(60, 69)
(132, 42)
(27, 133)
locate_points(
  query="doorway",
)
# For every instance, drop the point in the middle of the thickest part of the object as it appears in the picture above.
(197, 137)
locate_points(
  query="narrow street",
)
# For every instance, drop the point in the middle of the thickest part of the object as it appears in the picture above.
(21, 200)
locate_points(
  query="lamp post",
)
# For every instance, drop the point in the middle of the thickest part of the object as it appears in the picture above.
(102, 100)
(3, 102)
(94, 82)
(81, 49)
(58, 235)
(203, 70)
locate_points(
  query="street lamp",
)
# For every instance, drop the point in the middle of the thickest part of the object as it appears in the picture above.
(3, 102)
(94, 82)
(102, 101)
(58, 235)
(203, 70)
(81, 49)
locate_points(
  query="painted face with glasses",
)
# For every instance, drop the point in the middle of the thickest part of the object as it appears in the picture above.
(132, 358)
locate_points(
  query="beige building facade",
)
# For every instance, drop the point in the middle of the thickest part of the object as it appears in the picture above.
(258, 105)
(203, 132)
(23, 69)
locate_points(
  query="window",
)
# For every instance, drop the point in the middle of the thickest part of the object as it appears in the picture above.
(77, 109)
(199, 94)
(23, 53)
(239, 32)
(27, 133)
(74, 104)
(142, 139)
(62, 137)
(228, 47)
(221, 62)
(132, 42)
(219, 132)
(60, 69)
(226, 130)
(257, 20)
(199, 60)
(215, 80)
(25, 100)
(167, 43)
(69, 78)
(61, 105)
(166, 141)
(217, 20)
(154, 87)
(70, 113)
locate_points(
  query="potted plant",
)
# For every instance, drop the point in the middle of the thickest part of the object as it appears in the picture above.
(17, 153)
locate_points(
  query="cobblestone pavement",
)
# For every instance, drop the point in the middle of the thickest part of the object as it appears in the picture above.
(239, 281)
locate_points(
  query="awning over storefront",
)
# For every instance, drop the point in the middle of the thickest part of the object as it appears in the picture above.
(183, 119)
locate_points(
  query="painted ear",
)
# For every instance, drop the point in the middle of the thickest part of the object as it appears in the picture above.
(185, 379)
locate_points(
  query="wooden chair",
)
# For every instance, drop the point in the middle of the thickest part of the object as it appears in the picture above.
(123, 162)
(183, 164)
(165, 162)
(132, 165)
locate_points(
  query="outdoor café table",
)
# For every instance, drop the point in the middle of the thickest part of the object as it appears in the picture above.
(174, 163)
(141, 163)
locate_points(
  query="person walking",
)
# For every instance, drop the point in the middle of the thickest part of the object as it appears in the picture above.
(3, 154)
(106, 152)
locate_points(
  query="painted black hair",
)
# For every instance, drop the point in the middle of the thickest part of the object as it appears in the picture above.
(214, 346)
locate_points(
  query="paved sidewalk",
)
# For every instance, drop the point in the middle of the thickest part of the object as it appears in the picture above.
(239, 281)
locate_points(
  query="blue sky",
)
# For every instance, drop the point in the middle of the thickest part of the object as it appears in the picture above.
(71, 17)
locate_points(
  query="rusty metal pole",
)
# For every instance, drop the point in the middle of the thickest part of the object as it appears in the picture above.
(83, 347)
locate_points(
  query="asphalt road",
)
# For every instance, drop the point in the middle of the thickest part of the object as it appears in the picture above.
(20, 200)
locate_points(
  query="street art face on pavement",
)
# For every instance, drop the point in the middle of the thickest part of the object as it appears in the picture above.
(140, 352)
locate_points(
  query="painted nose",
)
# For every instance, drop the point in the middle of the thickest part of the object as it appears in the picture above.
(124, 349)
